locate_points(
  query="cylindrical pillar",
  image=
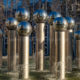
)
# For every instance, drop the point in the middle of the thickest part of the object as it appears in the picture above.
(11, 50)
(1, 45)
(24, 57)
(69, 43)
(21, 15)
(77, 36)
(52, 16)
(24, 30)
(41, 39)
(52, 50)
(11, 24)
(60, 26)
(40, 17)
(37, 64)
(69, 51)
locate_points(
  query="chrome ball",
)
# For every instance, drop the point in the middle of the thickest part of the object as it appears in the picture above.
(22, 14)
(52, 16)
(40, 16)
(11, 23)
(77, 35)
(60, 24)
(71, 22)
(24, 28)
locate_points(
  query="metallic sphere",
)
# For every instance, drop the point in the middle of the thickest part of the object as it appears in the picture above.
(22, 14)
(40, 16)
(24, 28)
(11, 23)
(60, 24)
(77, 35)
(52, 16)
(71, 22)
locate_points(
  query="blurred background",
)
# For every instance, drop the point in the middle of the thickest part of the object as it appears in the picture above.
(65, 7)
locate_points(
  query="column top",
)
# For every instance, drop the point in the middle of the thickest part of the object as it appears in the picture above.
(22, 14)
(40, 16)
(24, 28)
(11, 23)
(60, 24)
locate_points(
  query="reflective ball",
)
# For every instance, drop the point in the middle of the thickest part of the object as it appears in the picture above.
(77, 35)
(40, 16)
(22, 14)
(60, 24)
(11, 23)
(24, 28)
(52, 16)
(71, 22)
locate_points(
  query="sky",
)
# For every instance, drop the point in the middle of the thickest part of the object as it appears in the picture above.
(8, 2)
